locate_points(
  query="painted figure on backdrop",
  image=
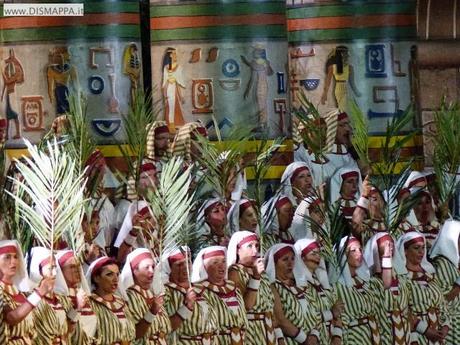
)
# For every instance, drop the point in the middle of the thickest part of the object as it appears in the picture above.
(60, 74)
(258, 82)
(172, 86)
(339, 68)
(132, 67)
(12, 74)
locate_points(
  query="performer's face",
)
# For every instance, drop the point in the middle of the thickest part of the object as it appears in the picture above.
(349, 187)
(248, 219)
(179, 272)
(91, 229)
(343, 132)
(8, 265)
(415, 253)
(143, 273)
(424, 209)
(217, 216)
(302, 183)
(71, 272)
(148, 179)
(355, 255)
(216, 268)
(161, 142)
(284, 266)
(107, 280)
(285, 214)
(248, 253)
(312, 259)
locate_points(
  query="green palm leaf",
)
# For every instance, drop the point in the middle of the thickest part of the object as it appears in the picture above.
(360, 138)
(51, 200)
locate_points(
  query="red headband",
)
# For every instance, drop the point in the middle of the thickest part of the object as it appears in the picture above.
(417, 180)
(419, 239)
(309, 248)
(43, 263)
(245, 205)
(214, 253)
(137, 259)
(10, 249)
(144, 211)
(175, 258)
(210, 207)
(247, 239)
(101, 264)
(281, 252)
(349, 174)
(161, 130)
(147, 167)
(297, 172)
(3, 123)
(198, 131)
(342, 116)
(94, 157)
(384, 238)
(314, 203)
(64, 258)
(351, 241)
(281, 202)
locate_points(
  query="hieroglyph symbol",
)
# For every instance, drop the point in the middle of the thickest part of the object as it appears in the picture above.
(202, 96)
(32, 113)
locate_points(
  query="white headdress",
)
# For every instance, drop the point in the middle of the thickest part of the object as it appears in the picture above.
(338, 178)
(21, 278)
(40, 256)
(399, 262)
(303, 247)
(171, 254)
(286, 186)
(234, 214)
(446, 243)
(198, 270)
(371, 252)
(236, 241)
(277, 250)
(95, 265)
(344, 277)
(60, 285)
(127, 275)
(127, 225)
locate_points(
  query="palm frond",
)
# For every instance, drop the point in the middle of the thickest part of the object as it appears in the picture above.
(170, 204)
(137, 124)
(360, 138)
(51, 201)
(446, 157)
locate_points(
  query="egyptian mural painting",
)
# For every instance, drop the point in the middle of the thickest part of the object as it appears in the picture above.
(216, 62)
(221, 69)
(103, 61)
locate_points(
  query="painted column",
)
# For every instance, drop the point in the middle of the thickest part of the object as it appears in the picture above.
(341, 51)
(221, 60)
(44, 58)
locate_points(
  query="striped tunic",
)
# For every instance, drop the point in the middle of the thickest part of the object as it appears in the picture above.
(347, 206)
(228, 303)
(371, 227)
(323, 300)
(392, 311)
(427, 302)
(115, 323)
(296, 304)
(200, 328)
(446, 275)
(23, 332)
(359, 321)
(50, 320)
(2, 322)
(85, 328)
(260, 317)
(139, 301)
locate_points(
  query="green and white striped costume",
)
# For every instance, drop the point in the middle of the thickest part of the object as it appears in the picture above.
(446, 275)
(260, 329)
(200, 328)
(323, 300)
(359, 322)
(427, 302)
(50, 320)
(296, 304)
(115, 324)
(139, 301)
(23, 332)
(228, 303)
(392, 311)
(2, 322)
(86, 316)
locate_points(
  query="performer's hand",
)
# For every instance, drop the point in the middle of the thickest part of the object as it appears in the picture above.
(336, 341)
(337, 309)
(190, 298)
(387, 250)
(46, 285)
(366, 187)
(82, 299)
(312, 340)
(258, 268)
(156, 305)
(433, 334)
